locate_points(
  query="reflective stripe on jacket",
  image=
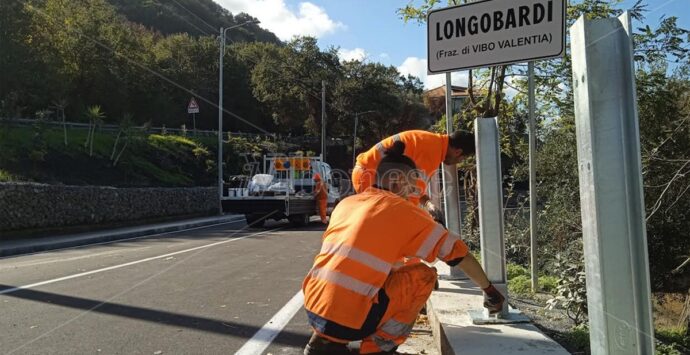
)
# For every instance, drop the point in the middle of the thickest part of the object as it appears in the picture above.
(367, 234)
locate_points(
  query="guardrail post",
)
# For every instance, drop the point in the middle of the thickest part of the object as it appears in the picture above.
(611, 197)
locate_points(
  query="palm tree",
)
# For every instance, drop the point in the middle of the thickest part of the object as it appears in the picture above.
(95, 116)
(59, 106)
(125, 128)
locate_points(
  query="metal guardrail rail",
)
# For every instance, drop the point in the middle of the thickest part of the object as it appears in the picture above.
(177, 131)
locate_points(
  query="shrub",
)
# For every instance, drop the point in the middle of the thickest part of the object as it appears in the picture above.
(6, 177)
(578, 337)
(672, 341)
(571, 292)
(514, 270)
(548, 284)
(520, 285)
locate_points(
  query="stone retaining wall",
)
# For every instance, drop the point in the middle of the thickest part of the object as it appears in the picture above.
(32, 206)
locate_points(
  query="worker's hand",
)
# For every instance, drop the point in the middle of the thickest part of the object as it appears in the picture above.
(434, 211)
(493, 300)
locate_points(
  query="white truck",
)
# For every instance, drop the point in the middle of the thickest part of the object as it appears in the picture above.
(284, 190)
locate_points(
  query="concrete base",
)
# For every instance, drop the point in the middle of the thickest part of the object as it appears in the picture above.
(479, 317)
(455, 333)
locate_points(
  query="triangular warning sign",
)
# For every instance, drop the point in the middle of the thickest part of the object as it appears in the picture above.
(193, 107)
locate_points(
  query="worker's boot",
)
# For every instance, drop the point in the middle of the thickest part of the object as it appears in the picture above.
(320, 346)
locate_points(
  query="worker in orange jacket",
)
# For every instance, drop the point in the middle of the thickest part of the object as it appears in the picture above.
(321, 195)
(427, 150)
(352, 292)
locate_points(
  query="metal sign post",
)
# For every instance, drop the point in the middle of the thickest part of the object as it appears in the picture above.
(450, 180)
(611, 196)
(193, 108)
(532, 182)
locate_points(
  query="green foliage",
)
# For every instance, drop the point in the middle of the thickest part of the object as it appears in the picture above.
(672, 341)
(548, 284)
(7, 177)
(514, 270)
(520, 281)
(520, 285)
(578, 337)
(571, 292)
(153, 160)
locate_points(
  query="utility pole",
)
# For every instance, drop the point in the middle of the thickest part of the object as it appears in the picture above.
(220, 121)
(532, 182)
(354, 136)
(323, 120)
(354, 140)
(221, 39)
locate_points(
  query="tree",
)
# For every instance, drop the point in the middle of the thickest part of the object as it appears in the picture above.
(288, 81)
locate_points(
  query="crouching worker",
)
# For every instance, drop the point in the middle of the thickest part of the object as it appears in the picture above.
(351, 293)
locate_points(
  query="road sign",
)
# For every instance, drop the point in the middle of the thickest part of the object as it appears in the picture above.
(193, 107)
(488, 33)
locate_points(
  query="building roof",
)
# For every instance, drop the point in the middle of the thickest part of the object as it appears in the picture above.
(457, 91)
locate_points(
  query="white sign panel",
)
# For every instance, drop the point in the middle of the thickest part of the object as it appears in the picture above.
(193, 107)
(488, 33)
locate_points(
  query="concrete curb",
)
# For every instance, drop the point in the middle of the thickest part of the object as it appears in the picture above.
(448, 310)
(28, 246)
(440, 337)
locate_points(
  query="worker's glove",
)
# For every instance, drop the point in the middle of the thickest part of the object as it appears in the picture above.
(493, 300)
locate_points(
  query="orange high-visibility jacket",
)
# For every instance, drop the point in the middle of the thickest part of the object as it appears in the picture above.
(426, 149)
(320, 191)
(367, 234)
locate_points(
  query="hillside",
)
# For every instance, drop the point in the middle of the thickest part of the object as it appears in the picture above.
(195, 17)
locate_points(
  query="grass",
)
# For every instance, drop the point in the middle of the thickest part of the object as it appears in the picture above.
(40, 154)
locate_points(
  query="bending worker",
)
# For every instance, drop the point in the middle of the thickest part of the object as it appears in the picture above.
(321, 195)
(427, 150)
(351, 293)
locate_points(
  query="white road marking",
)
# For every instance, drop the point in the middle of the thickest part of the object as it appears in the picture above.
(15, 289)
(263, 338)
(126, 239)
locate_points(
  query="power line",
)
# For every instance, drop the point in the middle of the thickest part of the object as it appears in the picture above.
(98, 43)
(195, 15)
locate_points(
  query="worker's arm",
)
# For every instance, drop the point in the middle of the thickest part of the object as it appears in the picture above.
(493, 299)
(424, 199)
(471, 267)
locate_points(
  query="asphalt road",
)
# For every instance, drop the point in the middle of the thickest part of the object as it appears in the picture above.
(205, 291)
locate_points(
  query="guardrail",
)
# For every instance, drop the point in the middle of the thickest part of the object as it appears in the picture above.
(299, 140)
(115, 128)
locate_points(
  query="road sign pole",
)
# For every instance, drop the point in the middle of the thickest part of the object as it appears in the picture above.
(220, 122)
(532, 182)
(450, 179)
(611, 195)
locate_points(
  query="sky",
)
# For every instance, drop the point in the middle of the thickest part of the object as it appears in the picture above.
(371, 30)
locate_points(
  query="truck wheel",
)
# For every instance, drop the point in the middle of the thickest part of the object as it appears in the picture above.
(299, 220)
(254, 220)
